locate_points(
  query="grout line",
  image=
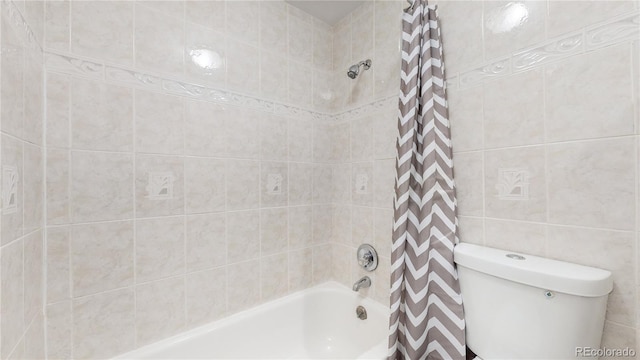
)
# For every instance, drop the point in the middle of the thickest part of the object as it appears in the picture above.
(564, 142)
(134, 220)
(45, 257)
(546, 160)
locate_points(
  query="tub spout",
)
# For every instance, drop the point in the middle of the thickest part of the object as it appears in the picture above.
(364, 282)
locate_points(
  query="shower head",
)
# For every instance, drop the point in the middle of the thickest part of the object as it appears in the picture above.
(354, 70)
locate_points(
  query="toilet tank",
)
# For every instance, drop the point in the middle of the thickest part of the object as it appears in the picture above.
(520, 306)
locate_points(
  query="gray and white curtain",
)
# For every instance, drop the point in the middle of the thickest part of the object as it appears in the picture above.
(426, 306)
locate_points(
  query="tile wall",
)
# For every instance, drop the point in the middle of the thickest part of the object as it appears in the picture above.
(22, 160)
(156, 166)
(363, 140)
(544, 123)
(177, 195)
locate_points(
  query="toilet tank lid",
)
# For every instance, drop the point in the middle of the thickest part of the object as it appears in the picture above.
(535, 271)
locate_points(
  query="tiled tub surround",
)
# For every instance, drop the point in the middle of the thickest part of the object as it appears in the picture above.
(339, 175)
(175, 198)
(545, 134)
(22, 158)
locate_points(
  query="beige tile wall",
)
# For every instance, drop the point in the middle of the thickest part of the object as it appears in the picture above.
(363, 142)
(569, 119)
(126, 269)
(113, 252)
(21, 132)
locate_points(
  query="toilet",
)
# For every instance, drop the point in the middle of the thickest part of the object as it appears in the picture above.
(519, 306)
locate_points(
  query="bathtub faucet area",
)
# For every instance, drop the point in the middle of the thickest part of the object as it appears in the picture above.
(364, 282)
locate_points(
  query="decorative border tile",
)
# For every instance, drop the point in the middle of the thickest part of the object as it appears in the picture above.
(11, 11)
(555, 50)
(132, 78)
(74, 66)
(476, 76)
(624, 28)
(620, 30)
(69, 64)
(367, 109)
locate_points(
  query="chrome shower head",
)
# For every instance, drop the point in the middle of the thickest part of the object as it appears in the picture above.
(354, 70)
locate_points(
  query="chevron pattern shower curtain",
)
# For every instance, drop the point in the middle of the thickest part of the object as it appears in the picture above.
(427, 318)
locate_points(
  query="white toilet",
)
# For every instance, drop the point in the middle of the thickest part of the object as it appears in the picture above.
(525, 307)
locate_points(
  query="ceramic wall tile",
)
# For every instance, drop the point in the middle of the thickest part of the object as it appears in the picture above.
(582, 177)
(59, 327)
(57, 109)
(466, 116)
(273, 26)
(103, 30)
(101, 257)
(104, 324)
(273, 231)
(274, 184)
(242, 20)
(468, 169)
(300, 273)
(13, 184)
(463, 35)
(33, 163)
(205, 55)
(243, 184)
(514, 184)
(204, 129)
(34, 269)
(58, 284)
(510, 26)
(273, 138)
(526, 104)
(242, 128)
(206, 241)
(101, 186)
(273, 69)
(574, 96)
(566, 16)
(210, 14)
(205, 185)
(243, 235)
(246, 292)
(300, 140)
(241, 57)
(527, 238)
(159, 123)
(12, 296)
(160, 248)
(159, 39)
(300, 227)
(57, 23)
(101, 116)
(159, 313)
(57, 187)
(585, 247)
(159, 185)
(12, 68)
(206, 296)
(274, 276)
(301, 31)
(471, 230)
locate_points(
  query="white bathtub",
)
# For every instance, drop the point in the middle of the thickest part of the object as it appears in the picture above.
(317, 323)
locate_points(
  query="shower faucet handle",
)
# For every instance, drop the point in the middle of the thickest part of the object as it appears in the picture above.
(367, 257)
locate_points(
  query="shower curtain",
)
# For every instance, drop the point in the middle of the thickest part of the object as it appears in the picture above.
(426, 306)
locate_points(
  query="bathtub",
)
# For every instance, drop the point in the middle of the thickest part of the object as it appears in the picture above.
(317, 323)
